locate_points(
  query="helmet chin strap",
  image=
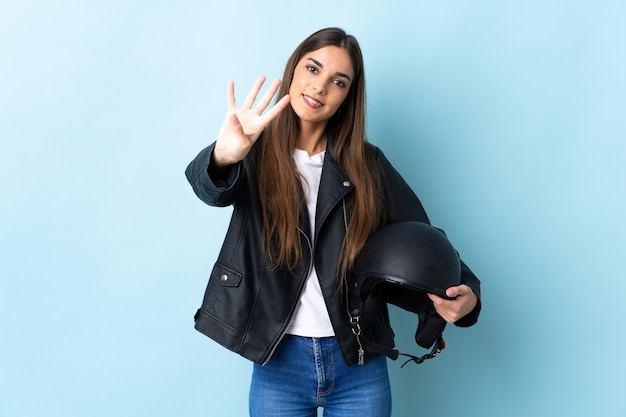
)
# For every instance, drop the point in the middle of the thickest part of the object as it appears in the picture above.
(434, 323)
(440, 345)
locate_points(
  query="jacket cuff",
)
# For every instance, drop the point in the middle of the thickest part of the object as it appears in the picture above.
(222, 177)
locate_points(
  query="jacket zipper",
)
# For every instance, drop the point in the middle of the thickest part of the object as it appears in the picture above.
(308, 273)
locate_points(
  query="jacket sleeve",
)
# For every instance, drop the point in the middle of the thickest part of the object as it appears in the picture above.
(215, 188)
(404, 205)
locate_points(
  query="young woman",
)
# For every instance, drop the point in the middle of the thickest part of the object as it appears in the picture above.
(307, 191)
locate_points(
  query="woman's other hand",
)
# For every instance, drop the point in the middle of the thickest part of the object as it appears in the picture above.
(452, 310)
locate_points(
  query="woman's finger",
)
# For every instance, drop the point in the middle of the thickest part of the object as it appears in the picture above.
(247, 104)
(267, 97)
(230, 96)
(276, 109)
(236, 126)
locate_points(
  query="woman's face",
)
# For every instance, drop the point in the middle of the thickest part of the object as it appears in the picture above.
(320, 84)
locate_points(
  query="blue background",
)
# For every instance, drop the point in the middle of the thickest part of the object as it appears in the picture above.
(507, 118)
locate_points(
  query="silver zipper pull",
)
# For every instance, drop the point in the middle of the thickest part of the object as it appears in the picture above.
(361, 357)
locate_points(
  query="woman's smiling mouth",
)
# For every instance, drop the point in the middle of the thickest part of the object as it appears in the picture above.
(311, 102)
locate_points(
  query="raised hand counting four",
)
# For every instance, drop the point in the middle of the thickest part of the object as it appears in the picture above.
(243, 126)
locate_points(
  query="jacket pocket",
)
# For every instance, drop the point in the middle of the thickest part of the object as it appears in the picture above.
(227, 277)
(224, 299)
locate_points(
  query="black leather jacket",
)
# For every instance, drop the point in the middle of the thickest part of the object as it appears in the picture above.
(248, 304)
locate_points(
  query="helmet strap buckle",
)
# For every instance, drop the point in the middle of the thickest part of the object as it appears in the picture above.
(356, 329)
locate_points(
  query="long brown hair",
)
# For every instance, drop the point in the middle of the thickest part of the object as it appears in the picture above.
(279, 182)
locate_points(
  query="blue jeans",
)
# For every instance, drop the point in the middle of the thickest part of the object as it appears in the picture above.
(306, 373)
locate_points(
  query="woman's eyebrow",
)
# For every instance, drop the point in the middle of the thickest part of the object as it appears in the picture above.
(319, 64)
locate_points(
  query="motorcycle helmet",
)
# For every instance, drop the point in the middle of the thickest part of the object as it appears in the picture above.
(400, 264)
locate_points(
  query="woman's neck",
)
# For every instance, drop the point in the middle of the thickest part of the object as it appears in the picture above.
(312, 138)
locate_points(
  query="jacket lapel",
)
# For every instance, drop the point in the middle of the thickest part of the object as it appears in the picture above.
(334, 186)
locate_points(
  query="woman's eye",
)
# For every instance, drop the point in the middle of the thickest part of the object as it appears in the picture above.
(339, 83)
(311, 68)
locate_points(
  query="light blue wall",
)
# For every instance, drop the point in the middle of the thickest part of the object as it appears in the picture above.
(507, 118)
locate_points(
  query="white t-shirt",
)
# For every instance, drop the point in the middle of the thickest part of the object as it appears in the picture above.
(311, 317)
